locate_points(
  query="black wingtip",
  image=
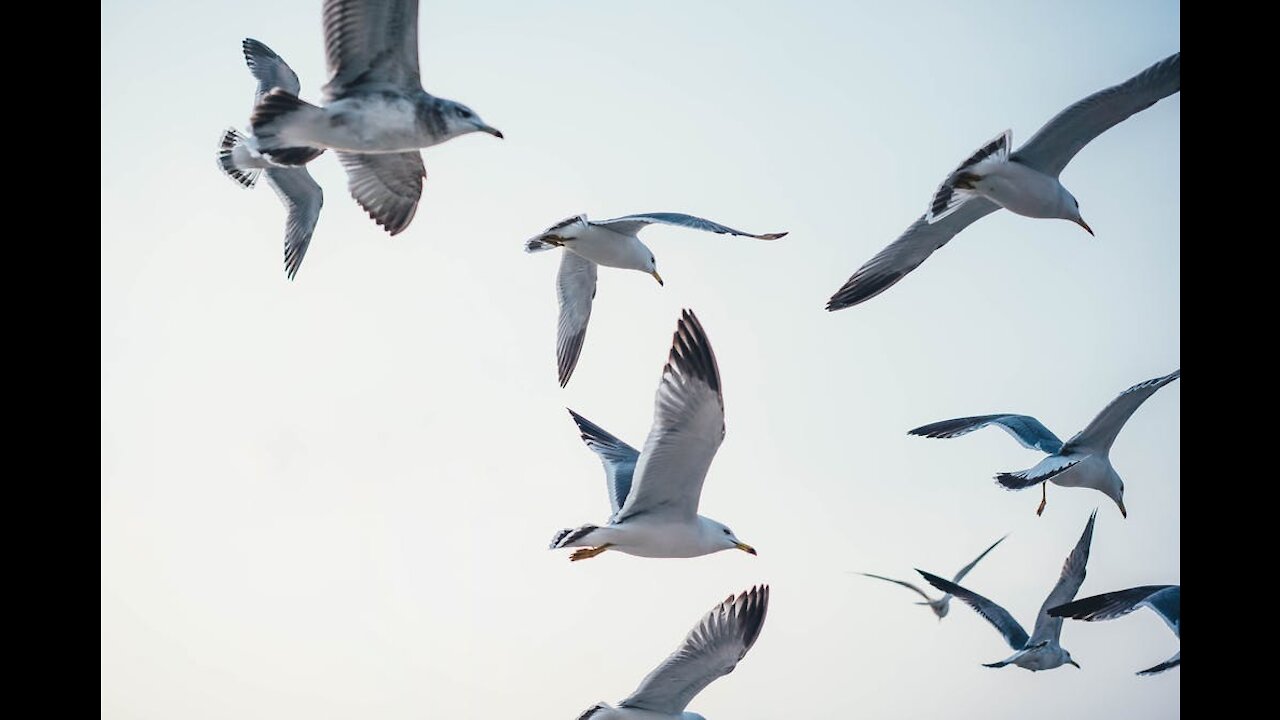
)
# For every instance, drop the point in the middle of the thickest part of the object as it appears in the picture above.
(691, 354)
(859, 289)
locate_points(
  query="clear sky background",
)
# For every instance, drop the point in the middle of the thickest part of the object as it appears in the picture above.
(332, 498)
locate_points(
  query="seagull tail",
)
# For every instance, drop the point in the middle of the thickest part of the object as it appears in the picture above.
(277, 116)
(573, 537)
(231, 141)
(957, 189)
(537, 245)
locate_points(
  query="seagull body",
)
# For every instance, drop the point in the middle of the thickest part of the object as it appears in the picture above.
(654, 494)
(1164, 600)
(1041, 650)
(242, 160)
(1083, 461)
(612, 243)
(711, 650)
(940, 606)
(1023, 181)
(375, 112)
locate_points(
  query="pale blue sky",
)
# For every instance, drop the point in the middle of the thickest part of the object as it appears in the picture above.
(332, 498)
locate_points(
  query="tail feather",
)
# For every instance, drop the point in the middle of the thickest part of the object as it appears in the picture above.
(569, 536)
(231, 139)
(274, 114)
(537, 245)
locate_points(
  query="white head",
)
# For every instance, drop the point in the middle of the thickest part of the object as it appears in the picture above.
(1067, 658)
(641, 258)
(460, 120)
(719, 536)
(1069, 209)
(1114, 489)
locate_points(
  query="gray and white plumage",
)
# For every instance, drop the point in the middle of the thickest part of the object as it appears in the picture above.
(711, 650)
(654, 494)
(1083, 461)
(240, 158)
(1164, 600)
(1042, 649)
(373, 104)
(940, 606)
(613, 243)
(1035, 166)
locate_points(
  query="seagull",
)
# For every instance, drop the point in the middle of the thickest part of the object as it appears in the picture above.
(1025, 182)
(1041, 650)
(941, 605)
(241, 160)
(711, 650)
(654, 493)
(607, 242)
(1164, 600)
(375, 112)
(1084, 461)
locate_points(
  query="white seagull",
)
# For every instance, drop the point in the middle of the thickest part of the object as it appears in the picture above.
(654, 493)
(1025, 181)
(1040, 651)
(1085, 459)
(613, 243)
(241, 160)
(940, 606)
(1164, 600)
(711, 650)
(375, 112)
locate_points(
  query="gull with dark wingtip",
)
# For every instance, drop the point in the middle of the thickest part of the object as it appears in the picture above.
(1024, 181)
(654, 493)
(939, 606)
(1083, 461)
(375, 113)
(1164, 600)
(1042, 649)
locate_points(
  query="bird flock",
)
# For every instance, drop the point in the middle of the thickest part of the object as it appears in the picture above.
(376, 117)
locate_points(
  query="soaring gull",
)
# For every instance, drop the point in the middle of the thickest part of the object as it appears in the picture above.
(654, 493)
(613, 243)
(1041, 650)
(940, 606)
(241, 160)
(1024, 181)
(711, 650)
(1085, 459)
(1164, 600)
(375, 112)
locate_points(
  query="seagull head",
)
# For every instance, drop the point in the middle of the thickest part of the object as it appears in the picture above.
(1069, 661)
(1071, 210)
(1115, 491)
(723, 538)
(460, 120)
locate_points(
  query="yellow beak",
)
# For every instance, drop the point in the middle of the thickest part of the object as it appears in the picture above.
(745, 548)
(657, 277)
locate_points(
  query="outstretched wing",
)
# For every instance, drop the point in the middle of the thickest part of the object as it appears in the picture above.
(1101, 432)
(371, 44)
(387, 185)
(1028, 431)
(999, 618)
(269, 69)
(903, 583)
(619, 459)
(1073, 571)
(965, 570)
(302, 199)
(576, 289)
(631, 224)
(1165, 600)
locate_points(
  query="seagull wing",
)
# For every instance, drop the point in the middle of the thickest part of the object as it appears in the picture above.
(711, 650)
(1028, 431)
(302, 198)
(1103, 429)
(1053, 146)
(370, 44)
(619, 459)
(576, 289)
(1165, 600)
(965, 570)
(999, 618)
(906, 253)
(387, 185)
(269, 69)
(903, 583)
(631, 224)
(1047, 626)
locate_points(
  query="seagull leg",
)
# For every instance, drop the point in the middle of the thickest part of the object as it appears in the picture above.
(585, 553)
(1044, 497)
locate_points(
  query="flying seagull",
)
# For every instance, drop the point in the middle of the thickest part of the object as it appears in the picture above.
(1024, 181)
(1084, 461)
(942, 605)
(654, 492)
(1041, 650)
(375, 112)
(1164, 600)
(612, 243)
(711, 650)
(241, 160)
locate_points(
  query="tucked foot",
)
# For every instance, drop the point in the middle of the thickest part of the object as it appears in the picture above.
(585, 553)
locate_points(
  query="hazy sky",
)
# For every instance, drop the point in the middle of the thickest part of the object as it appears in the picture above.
(332, 498)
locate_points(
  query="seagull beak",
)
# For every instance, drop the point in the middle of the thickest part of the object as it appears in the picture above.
(1123, 512)
(742, 546)
(1078, 221)
(658, 277)
(492, 131)
(1073, 662)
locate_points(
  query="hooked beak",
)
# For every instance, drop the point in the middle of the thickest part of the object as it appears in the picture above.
(1073, 662)
(492, 131)
(742, 546)
(658, 277)
(1085, 225)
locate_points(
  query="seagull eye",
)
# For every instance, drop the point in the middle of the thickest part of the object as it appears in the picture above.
(726, 531)
(463, 112)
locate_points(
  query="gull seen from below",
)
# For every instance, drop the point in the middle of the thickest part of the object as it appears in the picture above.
(1040, 651)
(375, 113)
(1024, 181)
(940, 606)
(1164, 600)
(711, 650)
(613, 243)
(654, 493)
(240, 159)
(1085, 459)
